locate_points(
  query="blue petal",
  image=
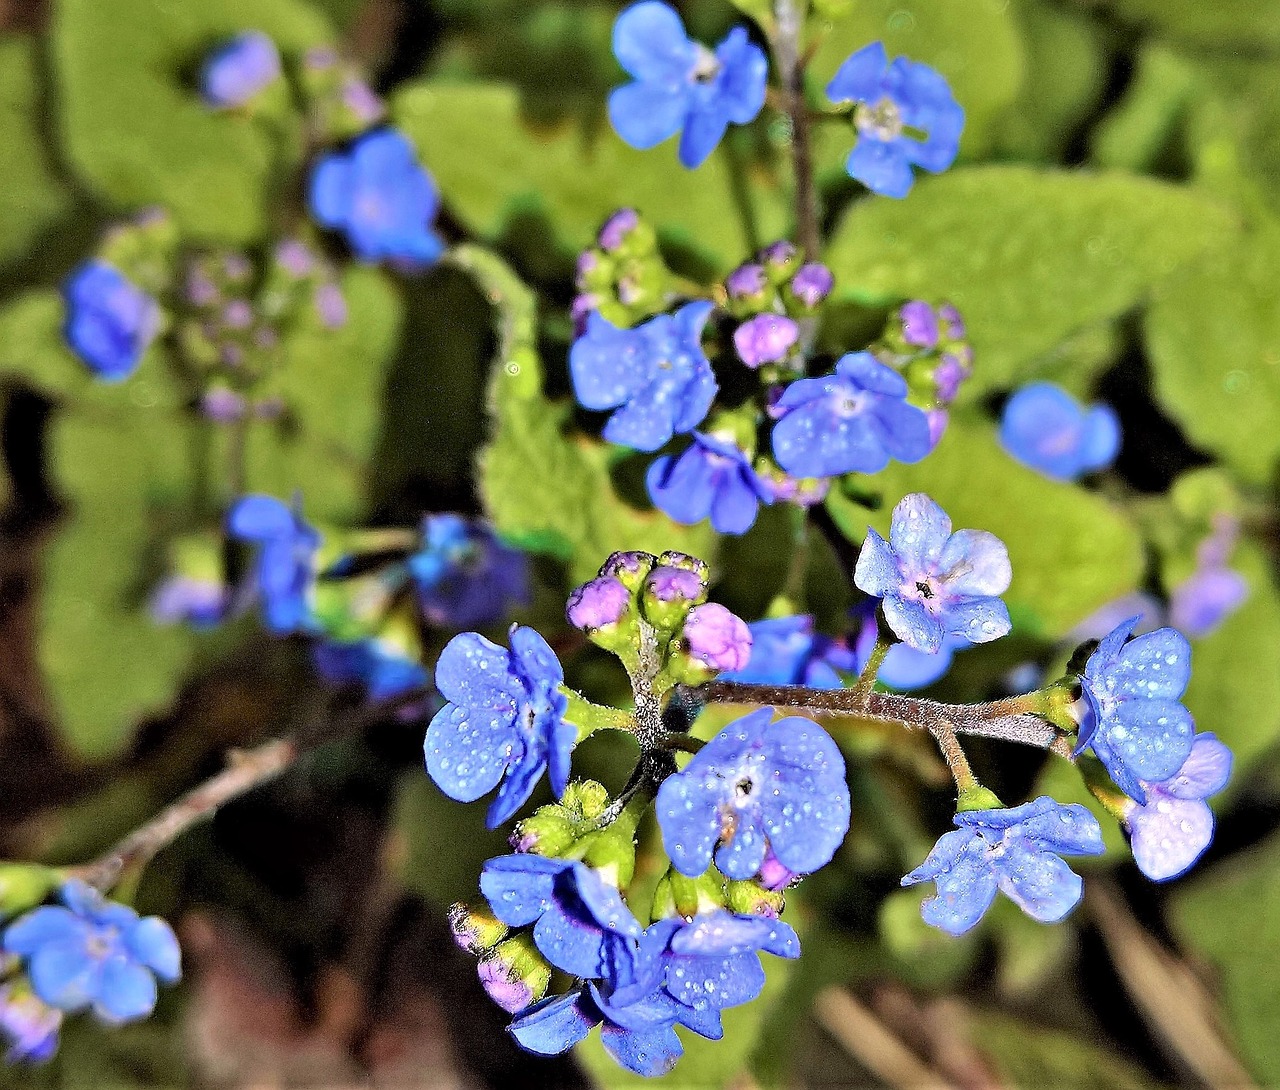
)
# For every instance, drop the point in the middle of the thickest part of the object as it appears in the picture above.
(978, 620)
(152, 942)
(858, 78)
(868, 373)
(49, 924)
(941, 858)
(975, 562)
(646, 114)
(876, 571)
(907, 669)
(741, 853)
(919, 532)
(564, 737)
(554, 1025)
(651, 1053)
(608, 365)
(260, 518)
(1101, 441)
(1039, 883)
(683, 488)
(519, 887)
(715, 982)
(903, 430)
(1155, 666)
(65, 975)
(534, 656)
(1169, 835)
(744, 73)
(1157, 737)
(476, 673)
(330, 192)
(1043, 427)
(1205, 772)
(734, 508)
(643, 424)
(702, 132)
(569, 941)
(604, 902)
(882, 167)
(1068, 830)
(467, 750)
(522, 778)
(689, 819)
(127, 991)
(913, 624)
(650, 43)
(965, 882)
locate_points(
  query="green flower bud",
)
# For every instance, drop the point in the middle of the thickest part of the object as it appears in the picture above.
(752, 899)
(678, 895)
(514, 974)
(475, 930)
(25, 885)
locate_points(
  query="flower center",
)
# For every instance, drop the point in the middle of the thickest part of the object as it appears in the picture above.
(706, 67)
(883, 121)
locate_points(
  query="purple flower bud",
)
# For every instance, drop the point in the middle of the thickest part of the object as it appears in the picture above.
(222, 405)
(629, 568)
(766, 338)
(475, 932)
(199, 289)
(580, 310)
(320, 58)
(616, 229)
(919, 324)
(588, 262)
(237, 71)
(773, 875)
(802, 491)
(231, 355)
(746, 282)
(938, 420)
(331, 305)
(362, 101)
(1208, 597)
(952, 323)
(673, 559)
(951, 371)
(236, 268)
(237, 314)
(296, 258)
(812, 283)
(510, 992)
(674, 584)
(778, 254)
(717, 638)
(601, 602)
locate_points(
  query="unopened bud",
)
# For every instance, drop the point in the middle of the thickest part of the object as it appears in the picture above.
(25, 885)
(811, 284)
(629, 568)
(754, 899)
(669, 594)
(514, 974)
(714, 640)
(766, 338)
(474, 930)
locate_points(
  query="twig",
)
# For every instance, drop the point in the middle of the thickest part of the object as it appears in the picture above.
(869, 1041)
(786, 45)
(244, 772)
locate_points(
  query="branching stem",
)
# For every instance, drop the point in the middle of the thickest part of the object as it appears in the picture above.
(786, 45)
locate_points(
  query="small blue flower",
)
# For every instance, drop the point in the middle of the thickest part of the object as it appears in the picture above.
(380, 197)
(851, 422)
(1016, 851)
(712, 478)
(235, 72)
(657, 374)
(383, 669)
(905, 116)
(29, 1026)
(110, 322)
(756, 784)
(681, 84)
(1045, 428)
(505, 718)
(95, 953)
(284, 570)
(1201, 602)
(1133, 720)
(465, 575)
(787, 651)
(184, 599)
(934, 583)
(1175, 825)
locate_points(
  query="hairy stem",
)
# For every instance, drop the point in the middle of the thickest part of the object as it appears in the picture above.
(953, 754)
(244, 772)
(786, 45)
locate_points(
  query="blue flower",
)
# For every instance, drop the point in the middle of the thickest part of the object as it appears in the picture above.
(235, 72)
(895, 103)
(29, 1026)
(1132, 719)
(681, 84)
(383, 669)
(1016, 851)
(1045, 428)
(1175, 825)
(934, 583)
(185, 599)
(505, 718)
(756, 784)
(1201, 602)
(712, 478)
(284, 571)
(656, 372)
(380, 197)
(95, 953)
(851, 422)
(110, 322)
(466, 577)
(787, 651)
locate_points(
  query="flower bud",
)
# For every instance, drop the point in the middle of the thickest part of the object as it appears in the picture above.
(773, 875)
(27, 1025)
(919, 324)
(613, 235)
(629, 568)
(548, 831)
(669, 594)
(673, 559)
(779, 260)
(747, 290)
(718, 639)
(811, 284)
(952, 324)
(474, 930)
(766, 338)
(514, 974)
(678, 895)
(754, 899)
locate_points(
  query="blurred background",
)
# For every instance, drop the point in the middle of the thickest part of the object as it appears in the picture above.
(1113, 225)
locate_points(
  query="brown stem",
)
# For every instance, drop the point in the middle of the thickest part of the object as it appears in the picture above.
(953, 754)
(786, 46)
(245, 770)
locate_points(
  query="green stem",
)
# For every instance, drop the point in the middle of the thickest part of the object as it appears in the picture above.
(589, 717)
(793, 588)
(786, 47)
(867, 679)
(740, 191)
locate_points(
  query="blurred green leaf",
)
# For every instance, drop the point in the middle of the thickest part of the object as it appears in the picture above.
(544, 489)
(32, 196)
(1214, 338)
(32, 347)
(975, 45)
(133, 124)
(1254, 24)
(123, 474)
(1028, 256)
(1134, 134)
(1071, 550)
(1231, 915)
(333, 382)
(492, 166)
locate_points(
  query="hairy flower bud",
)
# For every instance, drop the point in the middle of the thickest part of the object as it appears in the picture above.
(514, 974)
(475, 930)
(766, 338)
(629, 568)
(669, 594)
(716, 638)
(811, 284)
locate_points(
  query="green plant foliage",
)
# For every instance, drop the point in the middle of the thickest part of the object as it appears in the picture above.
(106, 662)
(135, 129)
(32, 197)
(1214, 338)
(544, 490)
(1135, 133)
(1223, 23)
(32, 348)
(1231, 915)
(1085, 247)
(1071, 550)
(976, 45)
(491, 165)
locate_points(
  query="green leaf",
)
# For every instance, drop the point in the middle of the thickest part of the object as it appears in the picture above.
(1250, 24)
(975, 45)
(491, 166)
(32, 347)
(1214, 338)
(1071, 550)
(1028, 256)
(106, 662)
(134, 127)
(333, 382)
(1231, 915)
(544, 488)
(1136, 132)
(32, 197)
